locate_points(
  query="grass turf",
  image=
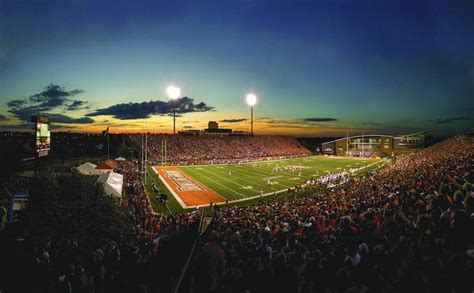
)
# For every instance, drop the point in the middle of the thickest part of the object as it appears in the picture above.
(242, 181)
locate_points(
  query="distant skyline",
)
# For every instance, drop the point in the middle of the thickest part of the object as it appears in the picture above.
(318, 68)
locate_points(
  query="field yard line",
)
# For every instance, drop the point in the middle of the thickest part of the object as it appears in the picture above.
(240, 171)
(224, 178)
(219, 184)
(274, 192)
(289, 181)
(244, 170)
(263, 173)
(286, 159)
(266, 174)
(283, 190)
(286, 180)
(382, 163)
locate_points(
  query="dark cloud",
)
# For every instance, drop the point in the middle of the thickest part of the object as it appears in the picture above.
(283, 121)
(283, 125)
(320, 119)
(77, 105)
(16, 103)
(60, 118)
(3, 118)
(371, 123)
(234, 120)
(145, 109)
(52, 98)
(24, 114)
(57, 91)
(30, 127)
(450, 120)
(62, 127)
(22, 126)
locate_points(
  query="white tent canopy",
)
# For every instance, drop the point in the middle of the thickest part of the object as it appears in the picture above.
(87, 169)
(120, 159)
(112, 182)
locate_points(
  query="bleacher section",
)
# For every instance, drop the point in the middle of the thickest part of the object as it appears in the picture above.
(183, 149)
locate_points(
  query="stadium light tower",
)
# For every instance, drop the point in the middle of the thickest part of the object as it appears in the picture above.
(173, 93)
(251, 100)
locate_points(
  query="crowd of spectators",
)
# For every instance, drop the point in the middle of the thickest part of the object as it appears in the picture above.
(208, 149)
(146, 259)
(145, 221)
(406, 228)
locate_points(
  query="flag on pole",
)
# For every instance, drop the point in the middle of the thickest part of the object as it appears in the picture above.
(105, 133)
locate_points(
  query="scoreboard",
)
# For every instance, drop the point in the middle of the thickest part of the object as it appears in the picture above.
(42, 134)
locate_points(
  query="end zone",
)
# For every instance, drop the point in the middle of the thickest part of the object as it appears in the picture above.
(189, 192)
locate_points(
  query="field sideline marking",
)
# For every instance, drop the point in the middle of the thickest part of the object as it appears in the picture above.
(150, 206)
(184, 206)
(247, 174)
(275, 192)
(256, 171)
(241, 172)
(277, 160)
(222, 185)
(277, 174)
(219, 173)
(235, 183)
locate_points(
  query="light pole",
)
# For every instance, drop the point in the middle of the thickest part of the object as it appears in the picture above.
(251, 100)
(173, 93)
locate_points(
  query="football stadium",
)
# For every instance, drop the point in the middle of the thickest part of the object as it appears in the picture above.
(236, 146)
(223, 175)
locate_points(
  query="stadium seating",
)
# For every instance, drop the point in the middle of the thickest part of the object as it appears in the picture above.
(406, 228)
(189, 149)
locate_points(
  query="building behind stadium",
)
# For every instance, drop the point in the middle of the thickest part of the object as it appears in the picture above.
(374, 145)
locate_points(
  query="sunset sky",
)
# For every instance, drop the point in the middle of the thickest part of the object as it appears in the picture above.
(318, 68)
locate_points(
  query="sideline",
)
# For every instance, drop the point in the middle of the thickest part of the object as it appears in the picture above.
(272, 159)
(150, 207)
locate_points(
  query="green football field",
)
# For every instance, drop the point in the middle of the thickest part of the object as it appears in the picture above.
(247, 180)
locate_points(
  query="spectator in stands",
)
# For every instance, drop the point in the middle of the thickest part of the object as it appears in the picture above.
(212, 262)
(406, 228)
(192, 149)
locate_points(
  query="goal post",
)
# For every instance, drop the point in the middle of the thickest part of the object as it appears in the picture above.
(163, 151)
